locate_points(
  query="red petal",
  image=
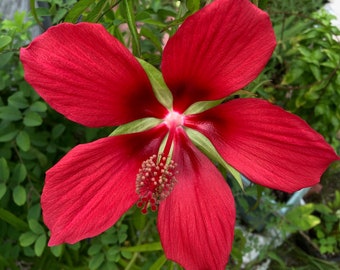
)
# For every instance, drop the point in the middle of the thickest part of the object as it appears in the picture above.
(89, 76)
(268, 145)
(216, 51)
(94, 184)
(196, 221)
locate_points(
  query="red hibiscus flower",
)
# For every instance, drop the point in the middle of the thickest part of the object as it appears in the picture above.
(88, 76)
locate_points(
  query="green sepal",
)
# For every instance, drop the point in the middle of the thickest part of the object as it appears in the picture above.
(204, 144)
(136, 126)
(202, 106)
(162, 92)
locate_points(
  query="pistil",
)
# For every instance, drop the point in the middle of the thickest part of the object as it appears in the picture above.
(156, 177)
(155, 181)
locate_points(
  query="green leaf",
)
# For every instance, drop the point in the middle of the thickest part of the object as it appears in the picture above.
(143, 248)
(35, 227)
(13, 220)
(27, 239)
(10, 113)
(4, 41)
(96, 261)
(57, 250)
(60, 14)
(7, 136)
(23, 141)
(19, 195)
(204, 144)
(263, 4)
(127, 7)
(122, 237)
(139, 220)
(3, 189)
(57, 130)
(34, 212)
(316, 72)
(40, 245)
(32, 119)
(193, 5)
(136, 126)
(146, 32)
(38, 106)
(4, 170)
(97, 12)
(158, 263)
(113, 254)
(18, 100)
(94, 249)
(126, 254)
(301, 218)
(5, 58)
(159, 87)
(19, 173)
(74, 14)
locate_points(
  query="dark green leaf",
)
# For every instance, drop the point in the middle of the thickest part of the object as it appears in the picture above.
(113, 254)
(10, 113)
(19, 195)
(13, 220)
(18, 100)
(128, 12)
(4, 41)
(32, 119)
(3, 189)
(4, 170)
(74, 14)
(19, 173)
(35, 227)
(57, 130)
(23, 141)
(5, 58)
(57, 250)
(96, 261)
(94, 249)
(7, 136)
(158, 264)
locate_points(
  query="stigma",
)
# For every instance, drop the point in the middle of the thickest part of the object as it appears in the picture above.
(155, 181)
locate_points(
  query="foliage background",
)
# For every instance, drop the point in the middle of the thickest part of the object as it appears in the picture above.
(302, 76)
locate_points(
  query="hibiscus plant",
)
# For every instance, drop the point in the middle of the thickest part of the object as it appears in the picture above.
(174, 124)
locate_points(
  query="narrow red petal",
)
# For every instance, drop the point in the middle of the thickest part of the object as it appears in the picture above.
(88, 76)
(216, 51)
(89, 189)
(196, 221)
(268, 145)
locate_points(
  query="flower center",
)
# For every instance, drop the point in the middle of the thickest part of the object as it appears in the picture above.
(155, 180)
(174, 119)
